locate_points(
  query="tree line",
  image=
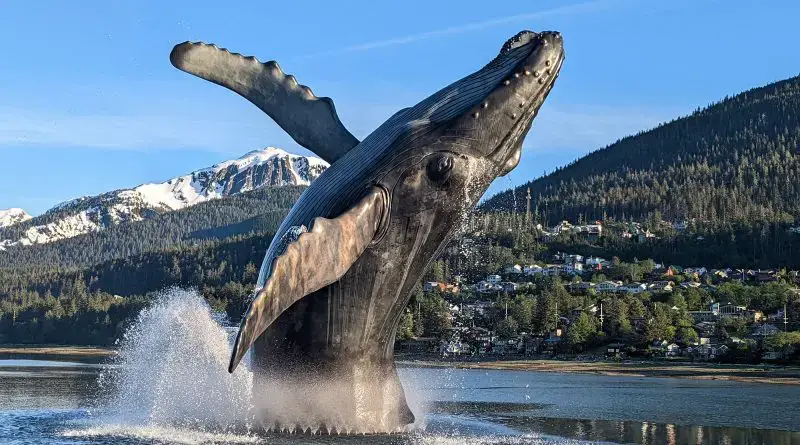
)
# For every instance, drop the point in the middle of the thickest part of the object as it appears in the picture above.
(733, 162)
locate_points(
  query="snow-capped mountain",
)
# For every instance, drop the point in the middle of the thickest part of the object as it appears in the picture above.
(13, 216)
(259, 168)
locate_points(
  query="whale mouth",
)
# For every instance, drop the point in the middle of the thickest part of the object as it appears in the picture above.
(516, 135)
(519, 96)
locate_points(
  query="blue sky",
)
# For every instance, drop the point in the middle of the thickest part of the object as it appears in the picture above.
(89, 101)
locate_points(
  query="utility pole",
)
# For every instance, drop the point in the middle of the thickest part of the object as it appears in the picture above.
(601, 315)
(528, 210)
(785, 319)
(506, 309)
(418, 313)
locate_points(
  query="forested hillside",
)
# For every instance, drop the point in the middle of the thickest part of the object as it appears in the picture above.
(260, 210)
(91, 306)
(734, 161)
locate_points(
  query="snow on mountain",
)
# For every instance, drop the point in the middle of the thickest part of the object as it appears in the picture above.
(13, 216)
(259, 168)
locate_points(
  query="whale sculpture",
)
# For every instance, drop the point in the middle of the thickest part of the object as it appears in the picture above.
(338, 274)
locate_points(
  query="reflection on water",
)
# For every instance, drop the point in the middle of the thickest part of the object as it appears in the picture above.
(650, 433)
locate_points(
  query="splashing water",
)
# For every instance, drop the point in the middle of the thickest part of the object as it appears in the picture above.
(171, 370)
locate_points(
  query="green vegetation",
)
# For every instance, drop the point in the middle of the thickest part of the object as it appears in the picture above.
(259, 211)
(732, 165)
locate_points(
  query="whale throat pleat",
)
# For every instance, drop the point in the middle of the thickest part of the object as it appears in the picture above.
(314, 260)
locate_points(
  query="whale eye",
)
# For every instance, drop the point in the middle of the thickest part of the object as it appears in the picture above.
(439, 167)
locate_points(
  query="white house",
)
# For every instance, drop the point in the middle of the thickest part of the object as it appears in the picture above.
(573, 269)
(607, 286)
(633, 288)
(532, 269)
(515, 269)
(487, 287)
(563, 226)
(494, 279)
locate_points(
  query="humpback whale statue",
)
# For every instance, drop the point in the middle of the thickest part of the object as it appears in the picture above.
(338, 274)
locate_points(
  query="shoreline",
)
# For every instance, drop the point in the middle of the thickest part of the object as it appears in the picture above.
(68, 351)
(771, 374)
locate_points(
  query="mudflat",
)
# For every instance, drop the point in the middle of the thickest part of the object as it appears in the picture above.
(16, 351)
(788, 375)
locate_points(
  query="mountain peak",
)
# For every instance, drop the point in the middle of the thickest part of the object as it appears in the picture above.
(14, 215)
(267, 167)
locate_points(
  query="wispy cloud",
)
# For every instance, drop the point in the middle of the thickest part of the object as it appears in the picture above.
(148, 129)
(579, 8)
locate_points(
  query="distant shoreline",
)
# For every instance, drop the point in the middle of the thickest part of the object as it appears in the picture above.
(65, 351)
(785, 375)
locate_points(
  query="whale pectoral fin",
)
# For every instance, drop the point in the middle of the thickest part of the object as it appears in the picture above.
(310, 120)
(316, 259)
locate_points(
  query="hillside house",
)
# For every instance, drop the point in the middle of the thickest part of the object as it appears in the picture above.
(485, 287)
(533, 269)
(705, 329)
(767, 276)
(573, 269)
(763, 330)
(493, 279)
(719, 274)
(562, 227)
(581, 286)
(515, 269)
(509, 287)
(552, 270)
(704, 316)
(608, 286)
(632, 288)
(442, 287)
(571, 259)
(661, 287)
(733, 311)
(596, 261)
(591, 231)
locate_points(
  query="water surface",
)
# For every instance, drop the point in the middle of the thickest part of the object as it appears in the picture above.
(169, 384)
(63, 405)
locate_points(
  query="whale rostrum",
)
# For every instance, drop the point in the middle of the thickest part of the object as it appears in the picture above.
(339, 272)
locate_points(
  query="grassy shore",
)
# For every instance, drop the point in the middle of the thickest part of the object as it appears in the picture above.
(703, 371)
